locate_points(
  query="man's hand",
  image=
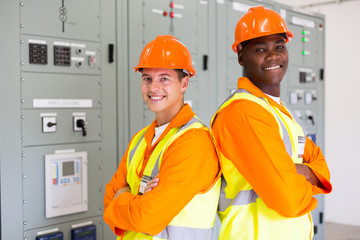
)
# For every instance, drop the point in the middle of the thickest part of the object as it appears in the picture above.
(122, 190)
(151, 184)
(308, 174)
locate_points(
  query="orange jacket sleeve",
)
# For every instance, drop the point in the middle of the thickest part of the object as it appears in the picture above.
(315, 160)
(118, 181)
(248, 135)
(190, 165)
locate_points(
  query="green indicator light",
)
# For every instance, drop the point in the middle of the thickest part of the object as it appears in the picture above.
(304, 39)
(304, 32)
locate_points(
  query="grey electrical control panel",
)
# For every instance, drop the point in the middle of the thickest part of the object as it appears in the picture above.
(61, 116)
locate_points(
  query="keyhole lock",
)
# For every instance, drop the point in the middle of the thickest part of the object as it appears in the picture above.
(80, 123)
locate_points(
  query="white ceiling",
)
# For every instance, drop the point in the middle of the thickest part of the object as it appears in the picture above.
(301, 3)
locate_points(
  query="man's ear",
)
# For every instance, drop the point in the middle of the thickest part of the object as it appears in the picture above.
(240, 58)
(184, 83)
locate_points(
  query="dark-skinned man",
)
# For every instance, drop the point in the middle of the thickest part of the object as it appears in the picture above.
(271, 170)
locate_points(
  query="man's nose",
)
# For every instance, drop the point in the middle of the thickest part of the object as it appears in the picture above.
(155, 85)
(272, 55)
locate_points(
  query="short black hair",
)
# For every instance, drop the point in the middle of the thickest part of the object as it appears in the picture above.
(244, 43)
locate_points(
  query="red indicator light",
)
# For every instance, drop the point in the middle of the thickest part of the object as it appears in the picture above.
(172, 5)
(172, 15)
(165, 13)
(321, 26)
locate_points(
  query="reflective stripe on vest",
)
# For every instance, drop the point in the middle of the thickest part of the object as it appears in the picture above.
(196, 220)
(244, 197)
(131, 154)
(240, 205)
(181, 233)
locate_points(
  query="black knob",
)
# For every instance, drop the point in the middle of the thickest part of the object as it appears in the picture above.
(311, 118)
(50, 124)
(80, 123)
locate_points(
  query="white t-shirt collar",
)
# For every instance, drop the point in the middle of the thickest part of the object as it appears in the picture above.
(158, 132)
(276, 99)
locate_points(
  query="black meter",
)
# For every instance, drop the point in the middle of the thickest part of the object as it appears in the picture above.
(84, 233)
(51, 236)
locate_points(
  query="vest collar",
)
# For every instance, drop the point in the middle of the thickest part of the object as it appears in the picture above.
(246, 84)
(181, 118)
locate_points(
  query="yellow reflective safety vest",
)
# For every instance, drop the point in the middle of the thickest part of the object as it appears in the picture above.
(242, 213)
(196, 219)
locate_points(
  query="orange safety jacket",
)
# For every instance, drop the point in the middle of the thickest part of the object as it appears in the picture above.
(263, 196)
(184, 173)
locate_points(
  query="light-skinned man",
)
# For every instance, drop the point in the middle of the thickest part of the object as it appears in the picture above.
(175, 153)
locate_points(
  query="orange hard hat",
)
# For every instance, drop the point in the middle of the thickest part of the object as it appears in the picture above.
(166, 51)
(259, 22)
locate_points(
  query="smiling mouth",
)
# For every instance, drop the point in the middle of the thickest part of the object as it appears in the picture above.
(272, 68)
(156, 97)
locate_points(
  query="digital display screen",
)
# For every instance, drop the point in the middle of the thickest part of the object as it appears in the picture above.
(68, 168)
(51, 236)
(85, 233)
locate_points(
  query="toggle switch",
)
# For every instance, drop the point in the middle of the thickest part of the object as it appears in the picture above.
(80, 124)
(296, 96)
(309, 117)
(49, 124)
(310, 97)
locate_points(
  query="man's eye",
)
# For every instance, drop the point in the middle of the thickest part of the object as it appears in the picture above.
(146, 79)
(164, 79)
(260, 50)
